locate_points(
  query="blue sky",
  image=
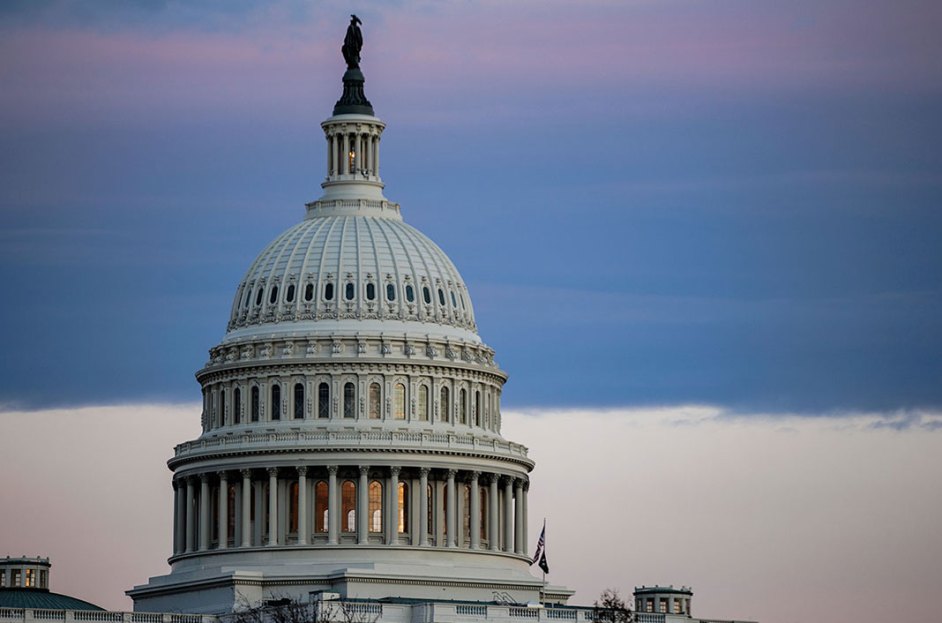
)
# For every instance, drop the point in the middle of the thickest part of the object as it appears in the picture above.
(734, 203)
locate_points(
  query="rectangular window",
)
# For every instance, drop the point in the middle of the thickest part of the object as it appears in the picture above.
(16, 578)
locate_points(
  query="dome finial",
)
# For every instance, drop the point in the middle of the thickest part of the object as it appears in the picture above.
(353, 101)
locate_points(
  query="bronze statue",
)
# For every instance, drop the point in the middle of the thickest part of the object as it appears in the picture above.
(352, 43)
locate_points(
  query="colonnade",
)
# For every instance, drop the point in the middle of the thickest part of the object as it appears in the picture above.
(353, 152)
(350, 504)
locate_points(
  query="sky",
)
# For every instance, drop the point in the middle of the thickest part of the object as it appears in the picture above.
(722, 205)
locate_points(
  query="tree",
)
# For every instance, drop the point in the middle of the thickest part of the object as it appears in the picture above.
(611, 608)
(293, 610)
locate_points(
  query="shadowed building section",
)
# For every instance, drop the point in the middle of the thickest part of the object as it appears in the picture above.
(24, 585)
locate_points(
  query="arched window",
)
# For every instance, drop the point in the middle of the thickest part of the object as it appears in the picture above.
(403, 495)
(441, 297)
(289, 295)
(255, 403)
(375, 401)
(293, 508)
(399, 399)
(230, 513)
(454, 303)
(370, 291)
(349, 400)
(309, 292)
(258, 296)
(329, 291)
(275, 402)
(222, 407)
(299, 401)
(376, 506)
(348, 506)
(349, 291)
(423, 403)
(482, 492)
(410, 293)
(236, 406)
(446, 405)
(323, 400)
(463, 406)
(465, 515)
(390, 292)
(430, 515)
(321, 507)
(426, 295)
(273, 295)
(477, 408)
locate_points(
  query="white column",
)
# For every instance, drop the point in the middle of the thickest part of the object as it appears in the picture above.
(475, 511)
(518, 516)
(223, 526)
(333, 506)
(392, 515)
(330, 153)
(493, 518)
(450, 515)
(376, 157)
(423, 507)
(204, 512)
(246, 508)
(508, 514)
(272, 506)
(345, 166)
(363, 506)
(302, 505)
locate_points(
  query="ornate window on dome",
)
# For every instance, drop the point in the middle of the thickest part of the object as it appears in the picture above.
(477, 408)
(349, 291)
(348, 506)
(275, 402)
(375, 401)
(454, 302)
(410, 293)
(441, 297)
(258, 296)
(309, 292)
(329, 291)
(390, 292)
(403, 496)
(323, 400)
(255, 403)
(236, 406)
(426, 295)
(299, 401)
(446, 405)
(321, 508)
(376, 506)
(463, 406)
(222, 407)
(289, 294)
(463, 306)
(423, 403)
(273, 295)
(371, 291)
(349, 400)
(399, 401)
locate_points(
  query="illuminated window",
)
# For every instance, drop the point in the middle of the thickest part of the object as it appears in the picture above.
(375, 401)
(276, 402)
(321, 507)
(349, 400)
(446, 405)
(348, 505)
(678, 606)
(255, 403)
(423, 403)
(30, 578)
(16, 578)
(323, 400)
(299, 401)
(376, 506)
(403, 507)
(662, 605)
(399, 411)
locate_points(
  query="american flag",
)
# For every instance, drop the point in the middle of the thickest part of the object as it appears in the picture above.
(539, 556)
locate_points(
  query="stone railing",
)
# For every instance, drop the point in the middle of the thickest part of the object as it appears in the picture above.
(405, 440)
(25, 615)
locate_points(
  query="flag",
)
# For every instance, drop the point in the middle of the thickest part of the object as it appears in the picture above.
(539, 556)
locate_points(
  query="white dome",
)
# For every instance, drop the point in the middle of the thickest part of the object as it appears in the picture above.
(352, 272)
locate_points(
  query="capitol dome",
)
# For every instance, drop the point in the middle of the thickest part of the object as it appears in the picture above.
(351, 426)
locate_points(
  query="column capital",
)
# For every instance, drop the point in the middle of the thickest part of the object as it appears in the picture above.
(452, 473)
(332, 470)
(204, 477)
(223, 474)
(246, 473)
(423, 471)
(475, 475)
(272, 471)
(394, 470)
(302, 470)
(364, 470)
